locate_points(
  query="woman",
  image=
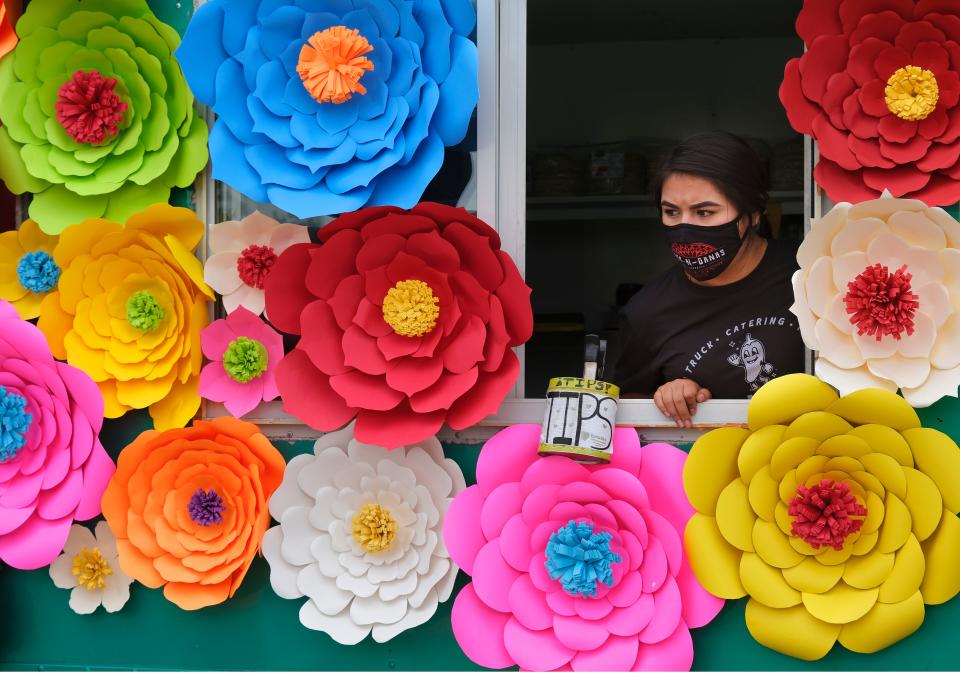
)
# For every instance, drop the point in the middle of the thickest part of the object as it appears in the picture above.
(718, 323)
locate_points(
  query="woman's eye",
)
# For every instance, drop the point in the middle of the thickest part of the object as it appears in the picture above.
(671, 212)
(704, 214)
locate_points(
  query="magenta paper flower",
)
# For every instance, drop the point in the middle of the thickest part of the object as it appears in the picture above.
(575, 567)
(243, 352)
(53, 469)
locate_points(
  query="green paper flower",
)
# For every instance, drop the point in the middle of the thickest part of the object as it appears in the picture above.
(153, 141)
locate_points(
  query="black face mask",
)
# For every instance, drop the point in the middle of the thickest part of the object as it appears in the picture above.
(704, 252)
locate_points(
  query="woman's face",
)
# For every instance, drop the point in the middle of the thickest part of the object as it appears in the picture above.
(695, 201)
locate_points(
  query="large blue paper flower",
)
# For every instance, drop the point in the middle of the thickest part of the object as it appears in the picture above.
(380, 145)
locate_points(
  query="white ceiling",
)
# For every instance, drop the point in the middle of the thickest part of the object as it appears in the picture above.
(580, 21)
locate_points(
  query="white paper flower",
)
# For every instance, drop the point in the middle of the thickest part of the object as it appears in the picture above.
(242, 254)
(360, 536)
(90, 568)
(878, 296)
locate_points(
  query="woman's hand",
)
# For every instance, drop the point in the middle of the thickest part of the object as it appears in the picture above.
(678, 399)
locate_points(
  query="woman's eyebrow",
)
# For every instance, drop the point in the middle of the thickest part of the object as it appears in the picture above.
(705, 203)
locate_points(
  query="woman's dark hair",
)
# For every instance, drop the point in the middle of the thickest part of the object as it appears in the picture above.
(728, 162)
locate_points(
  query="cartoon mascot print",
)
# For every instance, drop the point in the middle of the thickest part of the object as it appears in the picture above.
(752, 357)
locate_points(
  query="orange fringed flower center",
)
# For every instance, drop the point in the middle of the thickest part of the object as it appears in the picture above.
(332, 63)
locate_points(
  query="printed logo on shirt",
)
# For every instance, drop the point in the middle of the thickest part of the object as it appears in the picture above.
(752, 357)
(753, 373)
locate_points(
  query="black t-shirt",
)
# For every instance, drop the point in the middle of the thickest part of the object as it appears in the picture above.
(730, 339)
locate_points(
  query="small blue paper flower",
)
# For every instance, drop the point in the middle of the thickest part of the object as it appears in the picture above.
(14, 423)
(579, 558)
(276, 143)
(38, 272)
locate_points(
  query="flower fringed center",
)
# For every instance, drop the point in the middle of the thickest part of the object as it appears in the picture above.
(89, 109)
(374, 528)
(880, 303)
(14, 423)
(332, 63)
(245, 359)
(580, 558)
(912, 93)
(254, 265)
(144, 311)
(206, 507)
(90, 569)
(824, 514)
(37, 272)
(411, 308)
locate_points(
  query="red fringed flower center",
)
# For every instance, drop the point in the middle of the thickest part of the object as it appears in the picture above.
(89, 109)
(824, 514)
(254, 265)
(881, 303)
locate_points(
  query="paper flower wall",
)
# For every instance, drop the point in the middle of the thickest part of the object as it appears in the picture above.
(189, 507)
(328, 106)
(878, 296)
(407, 319)
(242, 253)
(879, 89)
(90, 568)
(243, 353)
(129, 310)
(53, 468)
(97, 118)
(575, 567)
(8, 36)
(27, 270)
(360, 536)
(834, 515)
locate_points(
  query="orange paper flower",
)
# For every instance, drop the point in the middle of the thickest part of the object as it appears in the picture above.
(129, 308)
(8, 18)
(189, 507)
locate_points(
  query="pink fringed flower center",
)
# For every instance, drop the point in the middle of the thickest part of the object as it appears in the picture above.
(254, 265)
(880, 303)
(89, 109)
(824, 514)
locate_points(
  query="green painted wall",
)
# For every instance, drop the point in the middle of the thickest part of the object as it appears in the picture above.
(258, 630)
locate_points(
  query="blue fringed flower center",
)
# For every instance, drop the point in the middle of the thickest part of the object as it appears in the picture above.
(14, 423)
(206, 507)
(580, 558)
(38, 272)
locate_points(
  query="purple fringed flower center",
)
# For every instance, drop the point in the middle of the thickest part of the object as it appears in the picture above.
(205, 507)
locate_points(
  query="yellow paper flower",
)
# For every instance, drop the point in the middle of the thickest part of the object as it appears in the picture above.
(129, 309)
(28, 272)
(835, 515)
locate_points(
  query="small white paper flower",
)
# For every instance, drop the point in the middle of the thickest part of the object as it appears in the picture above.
(360, 536)
(242, 253)
(90, 568)
(878, 296)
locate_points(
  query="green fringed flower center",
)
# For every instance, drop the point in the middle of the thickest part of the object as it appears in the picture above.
(245, 359)
(144, 311)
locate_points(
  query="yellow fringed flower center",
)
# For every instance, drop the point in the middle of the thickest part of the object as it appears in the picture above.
(90, 569)
(912, 93)
(374, 528)
(411, 308)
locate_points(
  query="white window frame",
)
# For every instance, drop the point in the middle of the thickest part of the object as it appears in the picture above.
(502, 42)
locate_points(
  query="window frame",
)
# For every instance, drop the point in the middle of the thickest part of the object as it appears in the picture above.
(505, 209)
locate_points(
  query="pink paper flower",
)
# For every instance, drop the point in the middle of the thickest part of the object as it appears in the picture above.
(243, 353)
(526, 514)
(242, 253)
(53, 469)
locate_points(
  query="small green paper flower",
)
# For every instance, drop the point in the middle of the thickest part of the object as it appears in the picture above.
(97, 119)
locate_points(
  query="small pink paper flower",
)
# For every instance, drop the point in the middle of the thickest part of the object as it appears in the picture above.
(242, 253)
(243, 353)
(575, 567)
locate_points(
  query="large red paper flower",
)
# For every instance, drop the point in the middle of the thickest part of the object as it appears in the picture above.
(407, 319)
(878, 88)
